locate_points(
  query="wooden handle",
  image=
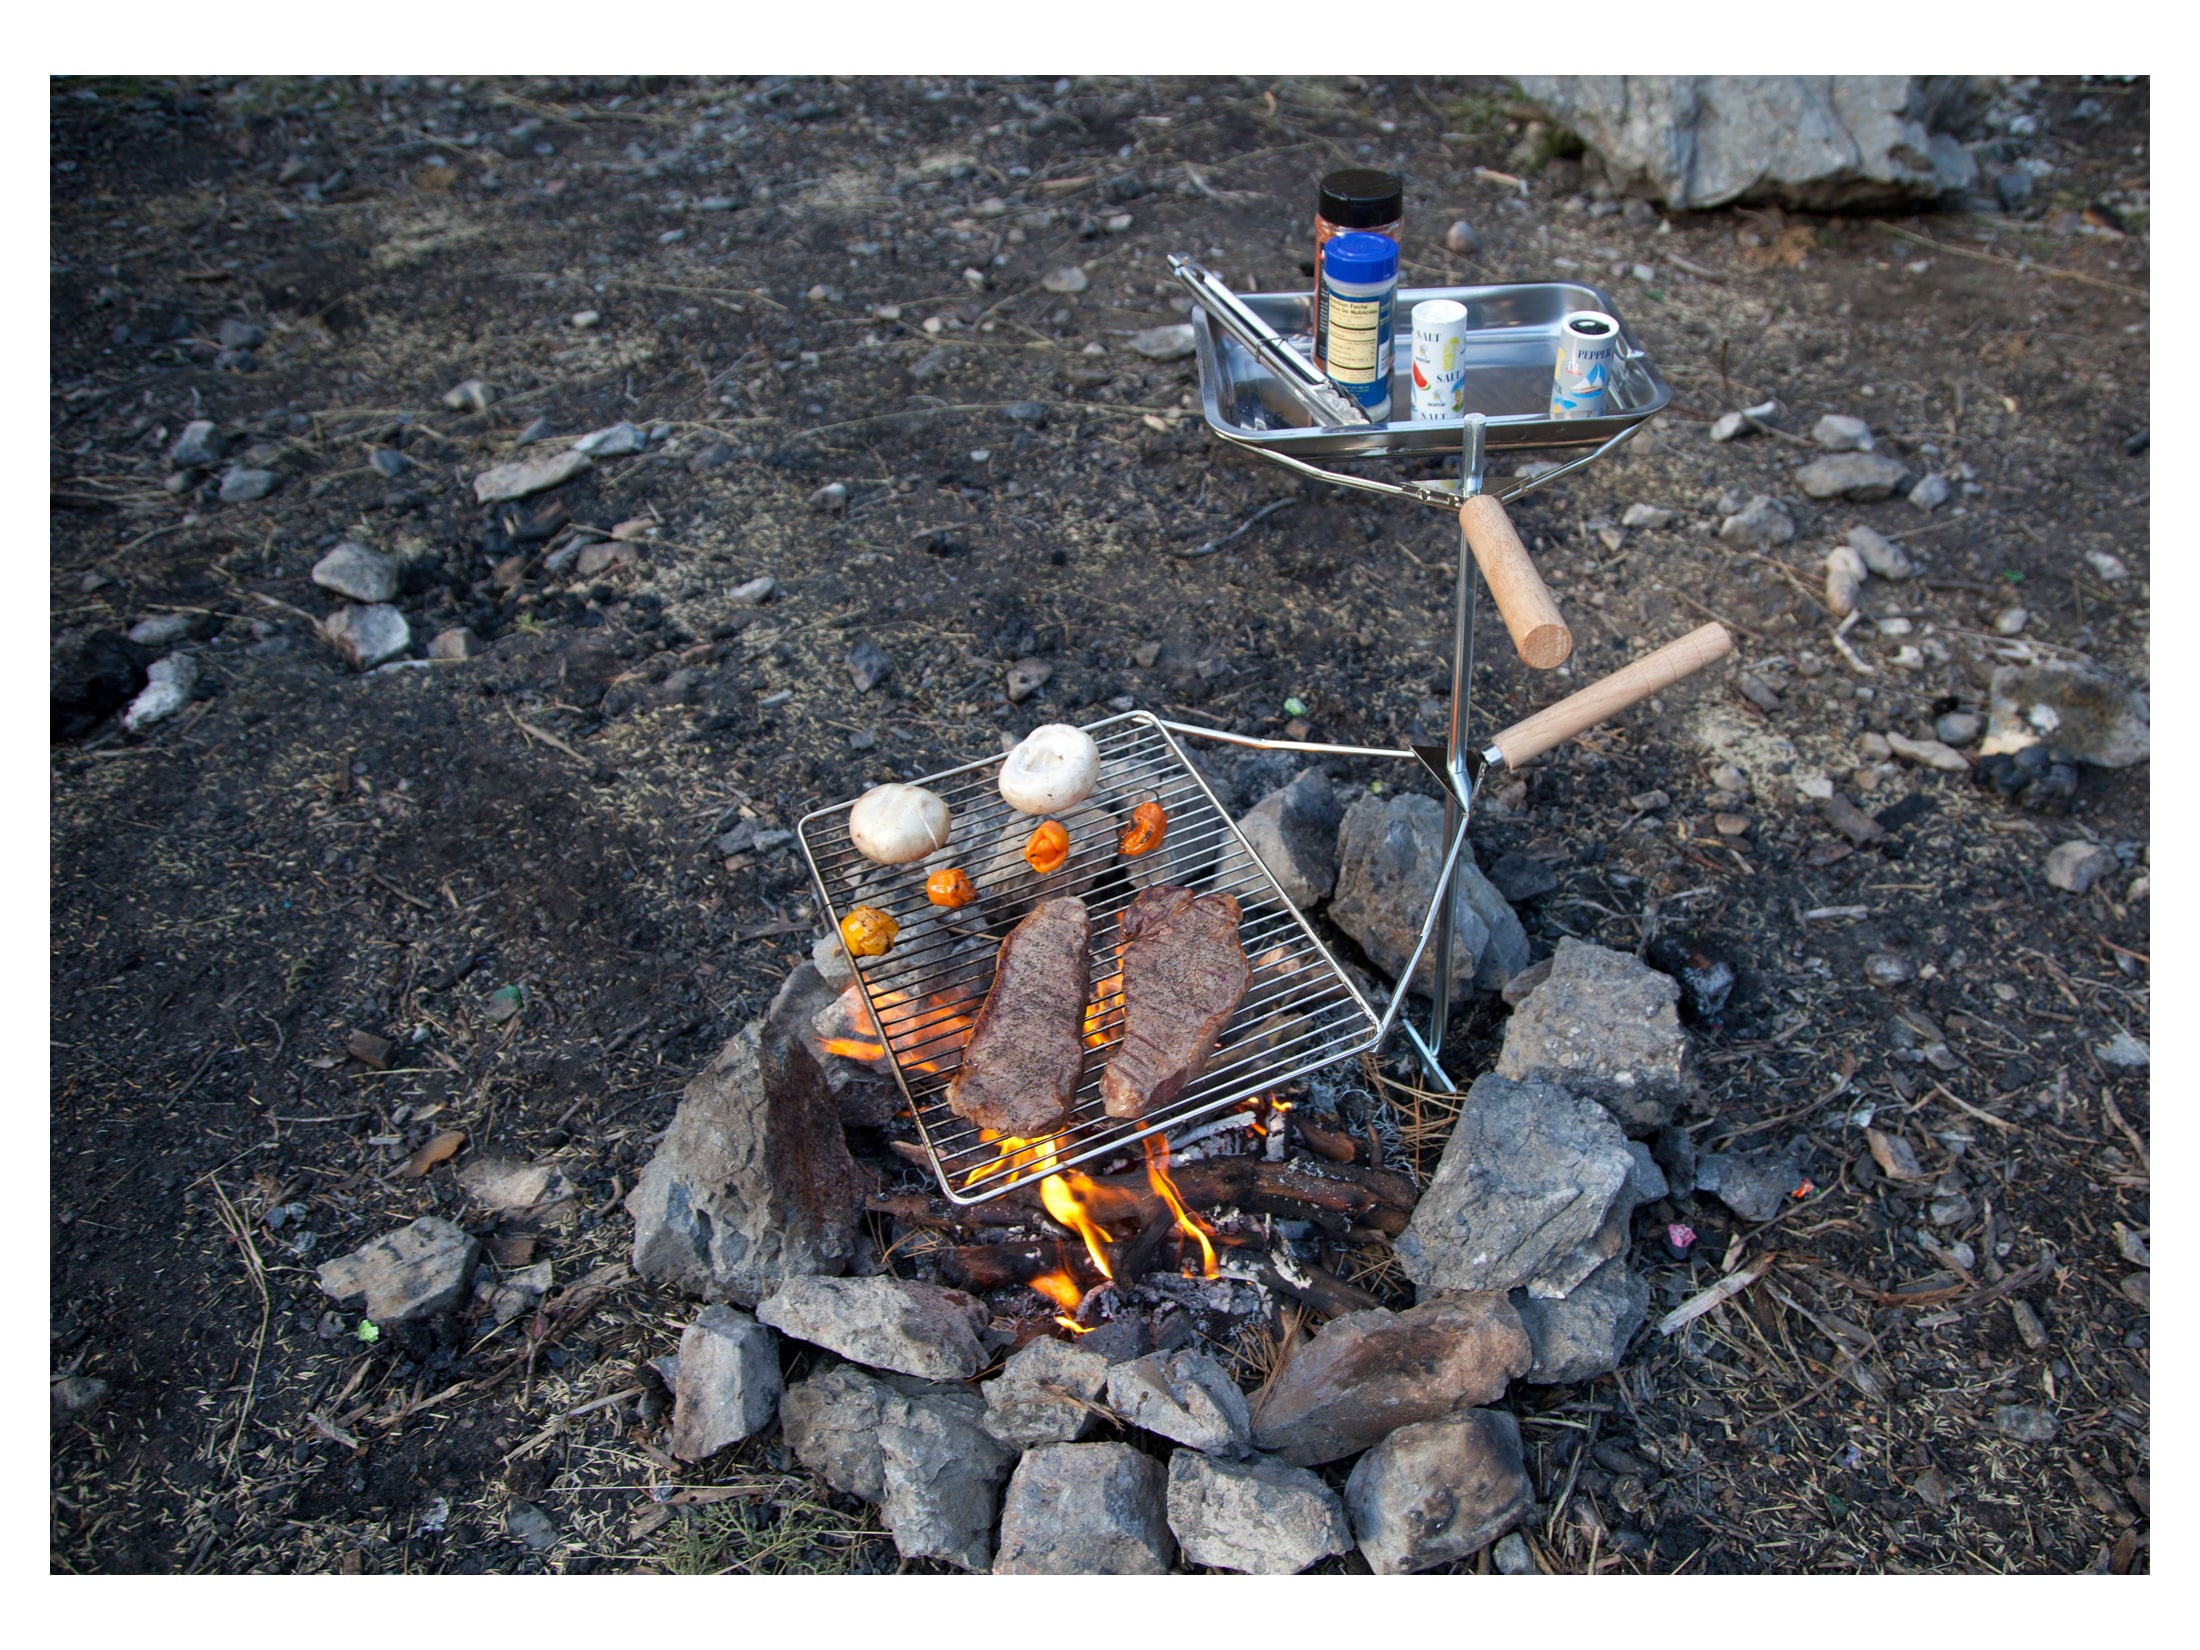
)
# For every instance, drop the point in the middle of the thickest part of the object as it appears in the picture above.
(1538, 629)
(1628, 685)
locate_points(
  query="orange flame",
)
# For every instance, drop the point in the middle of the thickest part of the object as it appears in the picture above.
(1015, 1153)
(1060, 1288)
(1065, 1200)
(1157, 1176)
(1107, 1000)
(854, 1048)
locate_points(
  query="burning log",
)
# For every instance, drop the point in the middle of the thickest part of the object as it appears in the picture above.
(1323, 1290)
(1334, 1196)
(915, 1209)
(979, 1266)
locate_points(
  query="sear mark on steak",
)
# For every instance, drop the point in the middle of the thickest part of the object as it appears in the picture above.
(1021, 1068)
(1184, 974)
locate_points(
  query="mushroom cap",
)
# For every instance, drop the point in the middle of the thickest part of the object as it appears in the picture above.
(1051, 771)
(894, 824)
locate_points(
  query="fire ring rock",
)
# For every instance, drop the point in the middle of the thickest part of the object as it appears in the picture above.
(1045, 1394)
(1086, 1509)
(729, 1383)
(1366, 1374)
(1260, 1517)
(1585, 1334)
(753, 1183)
(1184, 1396)
(888, 1323)
(416, 1271)
(1438, 1491)
(1389, 852)
(1606, 1025)
(1527, 1181)
(1294, 831)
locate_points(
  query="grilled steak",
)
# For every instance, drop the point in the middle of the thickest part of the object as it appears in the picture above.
(1020, 1071)
(1184, 974)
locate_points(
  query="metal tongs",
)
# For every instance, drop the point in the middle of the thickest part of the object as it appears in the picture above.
(1328, 404)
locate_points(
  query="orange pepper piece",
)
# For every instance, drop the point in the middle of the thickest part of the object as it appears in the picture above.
(1048, 849)
(949, 887)
(868, 932)
(1149, 824)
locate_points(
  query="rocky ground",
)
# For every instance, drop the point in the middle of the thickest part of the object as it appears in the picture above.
(872, 429)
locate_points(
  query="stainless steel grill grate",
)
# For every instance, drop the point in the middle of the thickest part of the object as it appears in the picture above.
(1299, 1013)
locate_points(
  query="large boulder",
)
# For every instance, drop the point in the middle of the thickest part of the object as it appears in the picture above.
(1366, 1374)
(753, 1183)
(1822, 143)
(1583, 1335)
(1606, 1025)
(1526, 1185)
(1261, 1517)
(1438, 1491)
(1086, 1509)
(1389, 852)
(891, 1323)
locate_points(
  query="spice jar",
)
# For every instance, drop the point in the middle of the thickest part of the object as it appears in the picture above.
(1360, 199)
(1358, 291)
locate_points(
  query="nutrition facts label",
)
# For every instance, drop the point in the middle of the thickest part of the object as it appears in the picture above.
(1354, 338)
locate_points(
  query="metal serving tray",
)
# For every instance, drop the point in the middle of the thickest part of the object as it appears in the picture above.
(1511, 349)
(1300, 1012)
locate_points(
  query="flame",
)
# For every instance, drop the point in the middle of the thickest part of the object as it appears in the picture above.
(854, 1048)
(1060, 1288)
(1267, 1112)
(1065, 1199)
(1107, 1001)
(1015, 1153)
(1157, 1176)
(940, 1023)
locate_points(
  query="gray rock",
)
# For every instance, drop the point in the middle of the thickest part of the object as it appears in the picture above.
(1650, 517)
(831, 498)
(1814, 142)
(1729, 425)
(529, 475)
(754, 593)
(505, 1185)
(1045, 1394)
(368, 635)
(941, 1476)
(1930, 493)
(1755, 1185)
(1605, 1025)
(931, 364)
(1762, 521)
(1389, 852)
(1438, 1491)
(868, 665)
(74, 1396)
(729, 1384)
(1647, 1183)
(1026, 677)
(1881, 555)
(1366, 1374)
(529, 1525)
(1845, 574)
(168, 687)
(1033, 413)
(885, 1322)
(2027, 1423)
(388, 462)
(1184, 1396)
(1462, 239)
(1067, 280)
(1858, 477)
(2123, 1052)
(236, 334)
(414, 1272)
(753, 1183)
(454, 644)
(1585, 1334)
(357, 573)
(1294, 831)
(198, 448)
(161, 629)
(1259, 1517)
(471, 395)
(1086, 1509)
(1163, 343)
(830, 958)
(621, 440)
(1527, 1178)
(1926, 753)
(832, 1421)
(541, 429)
(2071, 708)
(2075, 867)
(1959, 727)
(1511, 1556)
(243, 485)
(1838, 433)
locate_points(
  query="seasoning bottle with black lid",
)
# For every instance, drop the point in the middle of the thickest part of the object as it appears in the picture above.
(1356, 198)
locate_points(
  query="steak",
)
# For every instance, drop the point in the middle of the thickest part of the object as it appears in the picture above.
(1184, 973)
(1021, 1068)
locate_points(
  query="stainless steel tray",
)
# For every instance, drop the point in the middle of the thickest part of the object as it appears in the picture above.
(1512, 349)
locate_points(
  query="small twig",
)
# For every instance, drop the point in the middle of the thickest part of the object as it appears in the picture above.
(1698, 270)
(2010, 263)
(547, 738)
(1724, 1290)
(1230, 538)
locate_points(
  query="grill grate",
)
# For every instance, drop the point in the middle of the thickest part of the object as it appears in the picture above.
(1300, 1011)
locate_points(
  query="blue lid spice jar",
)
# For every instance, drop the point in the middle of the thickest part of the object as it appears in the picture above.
(1359, 286)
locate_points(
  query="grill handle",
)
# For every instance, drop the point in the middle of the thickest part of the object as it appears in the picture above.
(1628, 685)
(1538, 628)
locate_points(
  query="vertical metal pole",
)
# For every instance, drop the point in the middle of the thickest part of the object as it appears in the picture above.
(1465, 596)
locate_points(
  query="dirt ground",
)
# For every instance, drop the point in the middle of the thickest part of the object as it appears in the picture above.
(801, 284)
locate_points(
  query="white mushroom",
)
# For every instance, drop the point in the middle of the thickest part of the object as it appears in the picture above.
(1053, 770)
(895, 824)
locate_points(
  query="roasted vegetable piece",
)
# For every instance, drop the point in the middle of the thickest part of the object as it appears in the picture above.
(868, 932)
(1048, 849)
(1149, 823)
(950, 887)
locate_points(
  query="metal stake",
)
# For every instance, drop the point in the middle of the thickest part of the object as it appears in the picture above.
(1465, 600)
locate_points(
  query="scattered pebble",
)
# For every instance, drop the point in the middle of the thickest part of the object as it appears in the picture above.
(1163, 343)
(1959, 727)
(1858, 477)
(1731, 824)
(1930, 493)
(1762, 521)
(1882, 556)
(198, 448)
(161, 630)
(472, 395)
(168, 685)
(1067, 280)
(357, 573)
(2122, 1052)
(585, 319)
(620, 440)
(755, 593)
(2028, 1423)
(1839, 433)
(2010, 621)
(2075, 867)
(1929, 753)
(2111, 568)
(367, 635)
(1649, 516)
(1461, 238)
(833, 496)
(868, 665)
(1889, 968)
(460, 643)
(1845, 574)
(540, 430)
(242, 485)
(528, 475)
(1026, 677)
(1756, 690)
